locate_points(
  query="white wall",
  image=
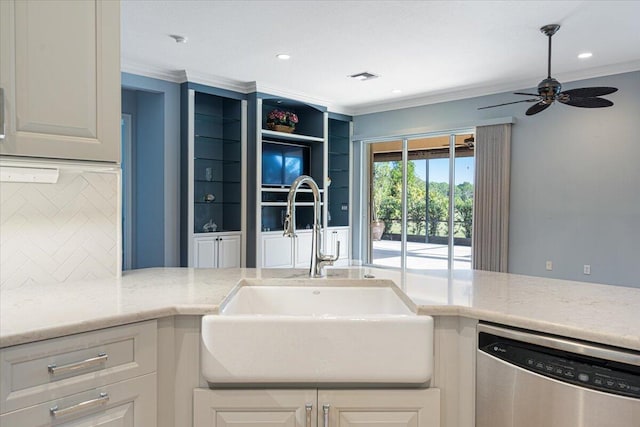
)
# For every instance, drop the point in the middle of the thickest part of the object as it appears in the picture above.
(575, 196)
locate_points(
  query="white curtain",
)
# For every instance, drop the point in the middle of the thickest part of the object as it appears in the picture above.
(491, 198)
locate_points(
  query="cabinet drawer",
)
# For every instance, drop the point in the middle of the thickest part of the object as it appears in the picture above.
(37, 372)
(125, 403)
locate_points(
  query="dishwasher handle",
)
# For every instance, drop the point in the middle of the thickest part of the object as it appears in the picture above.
(582, 348)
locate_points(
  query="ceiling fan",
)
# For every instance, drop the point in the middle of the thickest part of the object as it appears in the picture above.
(549, 89)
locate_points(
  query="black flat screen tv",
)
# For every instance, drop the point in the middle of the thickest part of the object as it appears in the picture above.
(282, 163)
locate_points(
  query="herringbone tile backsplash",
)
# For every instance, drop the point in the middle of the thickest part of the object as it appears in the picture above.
(52, 233)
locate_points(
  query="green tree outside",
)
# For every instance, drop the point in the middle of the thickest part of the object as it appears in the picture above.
(387, 200)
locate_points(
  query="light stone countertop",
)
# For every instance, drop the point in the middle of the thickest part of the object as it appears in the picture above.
(598, 313)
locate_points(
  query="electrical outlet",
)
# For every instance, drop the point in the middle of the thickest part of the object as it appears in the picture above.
(587, 269)
(549, 265)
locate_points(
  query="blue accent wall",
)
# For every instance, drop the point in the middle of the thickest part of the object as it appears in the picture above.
(155, 108)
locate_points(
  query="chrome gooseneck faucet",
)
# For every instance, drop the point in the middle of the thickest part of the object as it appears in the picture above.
(318, 259)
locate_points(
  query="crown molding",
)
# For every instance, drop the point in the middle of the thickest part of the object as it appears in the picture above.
(299, 96)
(477, 91)
(152, 71)
(181, 76)
(216, 81)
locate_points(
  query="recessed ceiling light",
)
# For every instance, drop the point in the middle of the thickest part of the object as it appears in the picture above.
(178, 39)
(283, 56)
(585, 55)
(396, 91)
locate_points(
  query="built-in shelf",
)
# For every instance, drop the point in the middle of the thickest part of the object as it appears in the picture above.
(290, 136)
(216, 118)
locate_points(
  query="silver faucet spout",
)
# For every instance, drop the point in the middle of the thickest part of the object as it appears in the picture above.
(318, 259)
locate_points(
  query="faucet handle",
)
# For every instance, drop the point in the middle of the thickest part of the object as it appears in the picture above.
(329, 259)
(337, 255)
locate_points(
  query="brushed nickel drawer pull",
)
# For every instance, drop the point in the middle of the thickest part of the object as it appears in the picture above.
(308, 407)
(64, 369)
(2, 118)
(102, 400)
(325, 410)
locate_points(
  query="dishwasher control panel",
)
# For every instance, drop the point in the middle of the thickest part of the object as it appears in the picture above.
(593, 373)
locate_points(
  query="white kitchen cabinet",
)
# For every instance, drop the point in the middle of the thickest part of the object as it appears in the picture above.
(279, 251)
(256, 408)
(311, 408)
(382, 408)
(286, 252)
(303, 248)
(60, 75)
(125, 403)
(217, 251)
(103, 377)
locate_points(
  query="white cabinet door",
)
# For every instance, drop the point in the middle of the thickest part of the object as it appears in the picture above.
(205, 252)
(303, 249)
(277, 251)
(382, 408)
(36, 372)
(310, 407)
(60, 72)
(254, 408)
(215, 251)
(125, 403)
(229, 251)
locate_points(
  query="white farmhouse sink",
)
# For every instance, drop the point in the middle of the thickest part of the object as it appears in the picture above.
(334, 332)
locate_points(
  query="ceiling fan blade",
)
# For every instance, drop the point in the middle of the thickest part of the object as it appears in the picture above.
(540, 106)
(524, 93)
(588, 102)
(509, 103)
(589, 92)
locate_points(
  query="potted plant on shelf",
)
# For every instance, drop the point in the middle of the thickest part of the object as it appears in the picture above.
(282, 121)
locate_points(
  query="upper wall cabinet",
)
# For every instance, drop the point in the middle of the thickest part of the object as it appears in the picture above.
(60, 78)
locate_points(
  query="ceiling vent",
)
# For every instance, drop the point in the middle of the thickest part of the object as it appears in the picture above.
(365, 75)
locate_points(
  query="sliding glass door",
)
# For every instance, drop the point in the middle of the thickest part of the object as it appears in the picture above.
(426, 213)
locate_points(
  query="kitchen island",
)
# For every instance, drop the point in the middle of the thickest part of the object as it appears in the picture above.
(149, 323)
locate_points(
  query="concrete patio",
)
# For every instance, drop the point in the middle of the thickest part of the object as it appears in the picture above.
(420, 256)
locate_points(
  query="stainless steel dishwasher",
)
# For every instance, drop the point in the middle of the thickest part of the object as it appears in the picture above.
(529, 380)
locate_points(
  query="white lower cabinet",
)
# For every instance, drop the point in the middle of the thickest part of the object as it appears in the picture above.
(317, 408)
(303, 247)
(103, 377)
(125, 403)
(279, 251)
(286, 252)
(217, 251)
